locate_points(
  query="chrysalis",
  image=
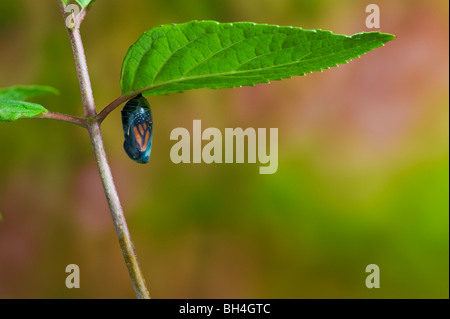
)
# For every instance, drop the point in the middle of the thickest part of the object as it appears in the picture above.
(137, 125)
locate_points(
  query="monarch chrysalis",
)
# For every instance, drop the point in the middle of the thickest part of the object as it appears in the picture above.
(137, 125)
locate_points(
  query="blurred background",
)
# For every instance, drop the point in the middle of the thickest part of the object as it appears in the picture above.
(363, 171)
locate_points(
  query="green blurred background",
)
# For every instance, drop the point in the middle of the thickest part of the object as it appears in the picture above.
(363, 171)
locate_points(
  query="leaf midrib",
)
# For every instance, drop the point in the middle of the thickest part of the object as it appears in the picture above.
(148, 88)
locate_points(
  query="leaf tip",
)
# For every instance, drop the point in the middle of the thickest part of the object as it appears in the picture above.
(386, 37)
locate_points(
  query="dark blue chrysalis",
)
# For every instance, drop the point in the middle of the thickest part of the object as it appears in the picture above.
(137, 125)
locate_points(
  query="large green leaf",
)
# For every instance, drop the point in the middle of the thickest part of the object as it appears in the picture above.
(11, 110)
(208, 54)
(23, 92)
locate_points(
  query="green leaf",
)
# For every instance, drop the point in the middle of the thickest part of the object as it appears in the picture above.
(22, 92)
(12, 106)
(85, 3)
(208, 54)
(82, 3)
(11, 110)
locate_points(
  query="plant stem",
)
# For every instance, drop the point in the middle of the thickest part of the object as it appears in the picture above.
(82, 72)
(110, 107)
(117, 214)
(93, 126)
(114, 104)
(62, 117)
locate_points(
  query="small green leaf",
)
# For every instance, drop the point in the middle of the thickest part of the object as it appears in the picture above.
(85, 3)
(11, 110)
(23, 92)
(1, 217)
(208, 54)
(82, 3)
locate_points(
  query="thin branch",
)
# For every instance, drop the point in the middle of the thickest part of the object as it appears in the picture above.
(81, 66)
(113, 105)
(80, 17)
(93, 126)
(62, 117)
